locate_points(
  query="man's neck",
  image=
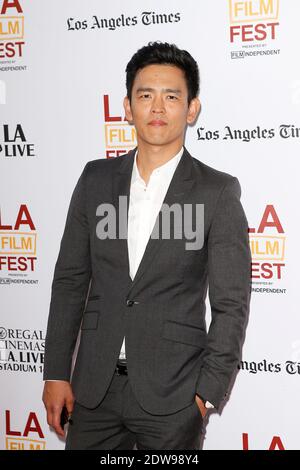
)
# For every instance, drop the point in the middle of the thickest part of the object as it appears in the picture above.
(152, 157)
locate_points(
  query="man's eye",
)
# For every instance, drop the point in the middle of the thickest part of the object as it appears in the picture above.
(172, 97)
(145, 95)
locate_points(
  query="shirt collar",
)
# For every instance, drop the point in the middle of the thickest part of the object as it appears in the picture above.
(167, 168)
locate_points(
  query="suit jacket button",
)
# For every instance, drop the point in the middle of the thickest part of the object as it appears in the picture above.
(129, 303)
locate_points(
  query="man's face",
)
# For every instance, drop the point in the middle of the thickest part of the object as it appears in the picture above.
(159, 105)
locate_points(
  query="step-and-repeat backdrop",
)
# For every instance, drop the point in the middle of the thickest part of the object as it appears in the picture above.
(62, 82)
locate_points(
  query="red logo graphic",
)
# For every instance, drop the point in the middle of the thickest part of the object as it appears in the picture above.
(268, 250)
(120, 136)
(276, 443)
(27, 439)
(15, 241)
(253, 21)
(11, 29)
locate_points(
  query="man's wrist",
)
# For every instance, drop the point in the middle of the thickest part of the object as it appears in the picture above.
(54, 380)
(206, 403)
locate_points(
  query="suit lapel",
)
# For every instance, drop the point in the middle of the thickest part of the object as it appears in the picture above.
(179, 187)
(121, 187)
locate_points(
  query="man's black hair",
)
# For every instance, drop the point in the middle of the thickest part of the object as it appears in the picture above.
(164, 53)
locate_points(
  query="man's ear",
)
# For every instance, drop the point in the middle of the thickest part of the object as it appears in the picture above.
(127, 109)
(193, 111)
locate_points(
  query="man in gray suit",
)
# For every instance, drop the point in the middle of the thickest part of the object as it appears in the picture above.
(147, 369)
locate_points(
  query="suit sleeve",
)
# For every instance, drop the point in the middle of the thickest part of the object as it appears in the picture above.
(70, 284)
(229, 277)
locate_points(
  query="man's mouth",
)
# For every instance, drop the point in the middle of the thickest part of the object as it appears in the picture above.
(157, 123)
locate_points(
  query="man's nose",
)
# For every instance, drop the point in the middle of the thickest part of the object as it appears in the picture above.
(158, 105)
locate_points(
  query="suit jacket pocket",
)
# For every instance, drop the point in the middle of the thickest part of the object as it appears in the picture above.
(90, 321)
(93, 304)
(183, 333)
(94, 297)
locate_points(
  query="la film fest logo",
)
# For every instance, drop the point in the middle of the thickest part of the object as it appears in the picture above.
(120, 136)
(275, 443)
(254, 24)
(14, 142)
(267, 243)
(11, 30)
(21, 350)
(23, 435)
(18, 246)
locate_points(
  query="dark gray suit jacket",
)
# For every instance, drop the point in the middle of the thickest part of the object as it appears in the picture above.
(170, 354)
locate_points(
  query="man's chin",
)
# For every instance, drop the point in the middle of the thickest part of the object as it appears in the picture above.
(157, 140)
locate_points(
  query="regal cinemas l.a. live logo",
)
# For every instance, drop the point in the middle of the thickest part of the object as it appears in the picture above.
(267, 248)
(11, 30)
(254, 26)
(120, 136)
(17, 245)
(21, 350)
(26, 436)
